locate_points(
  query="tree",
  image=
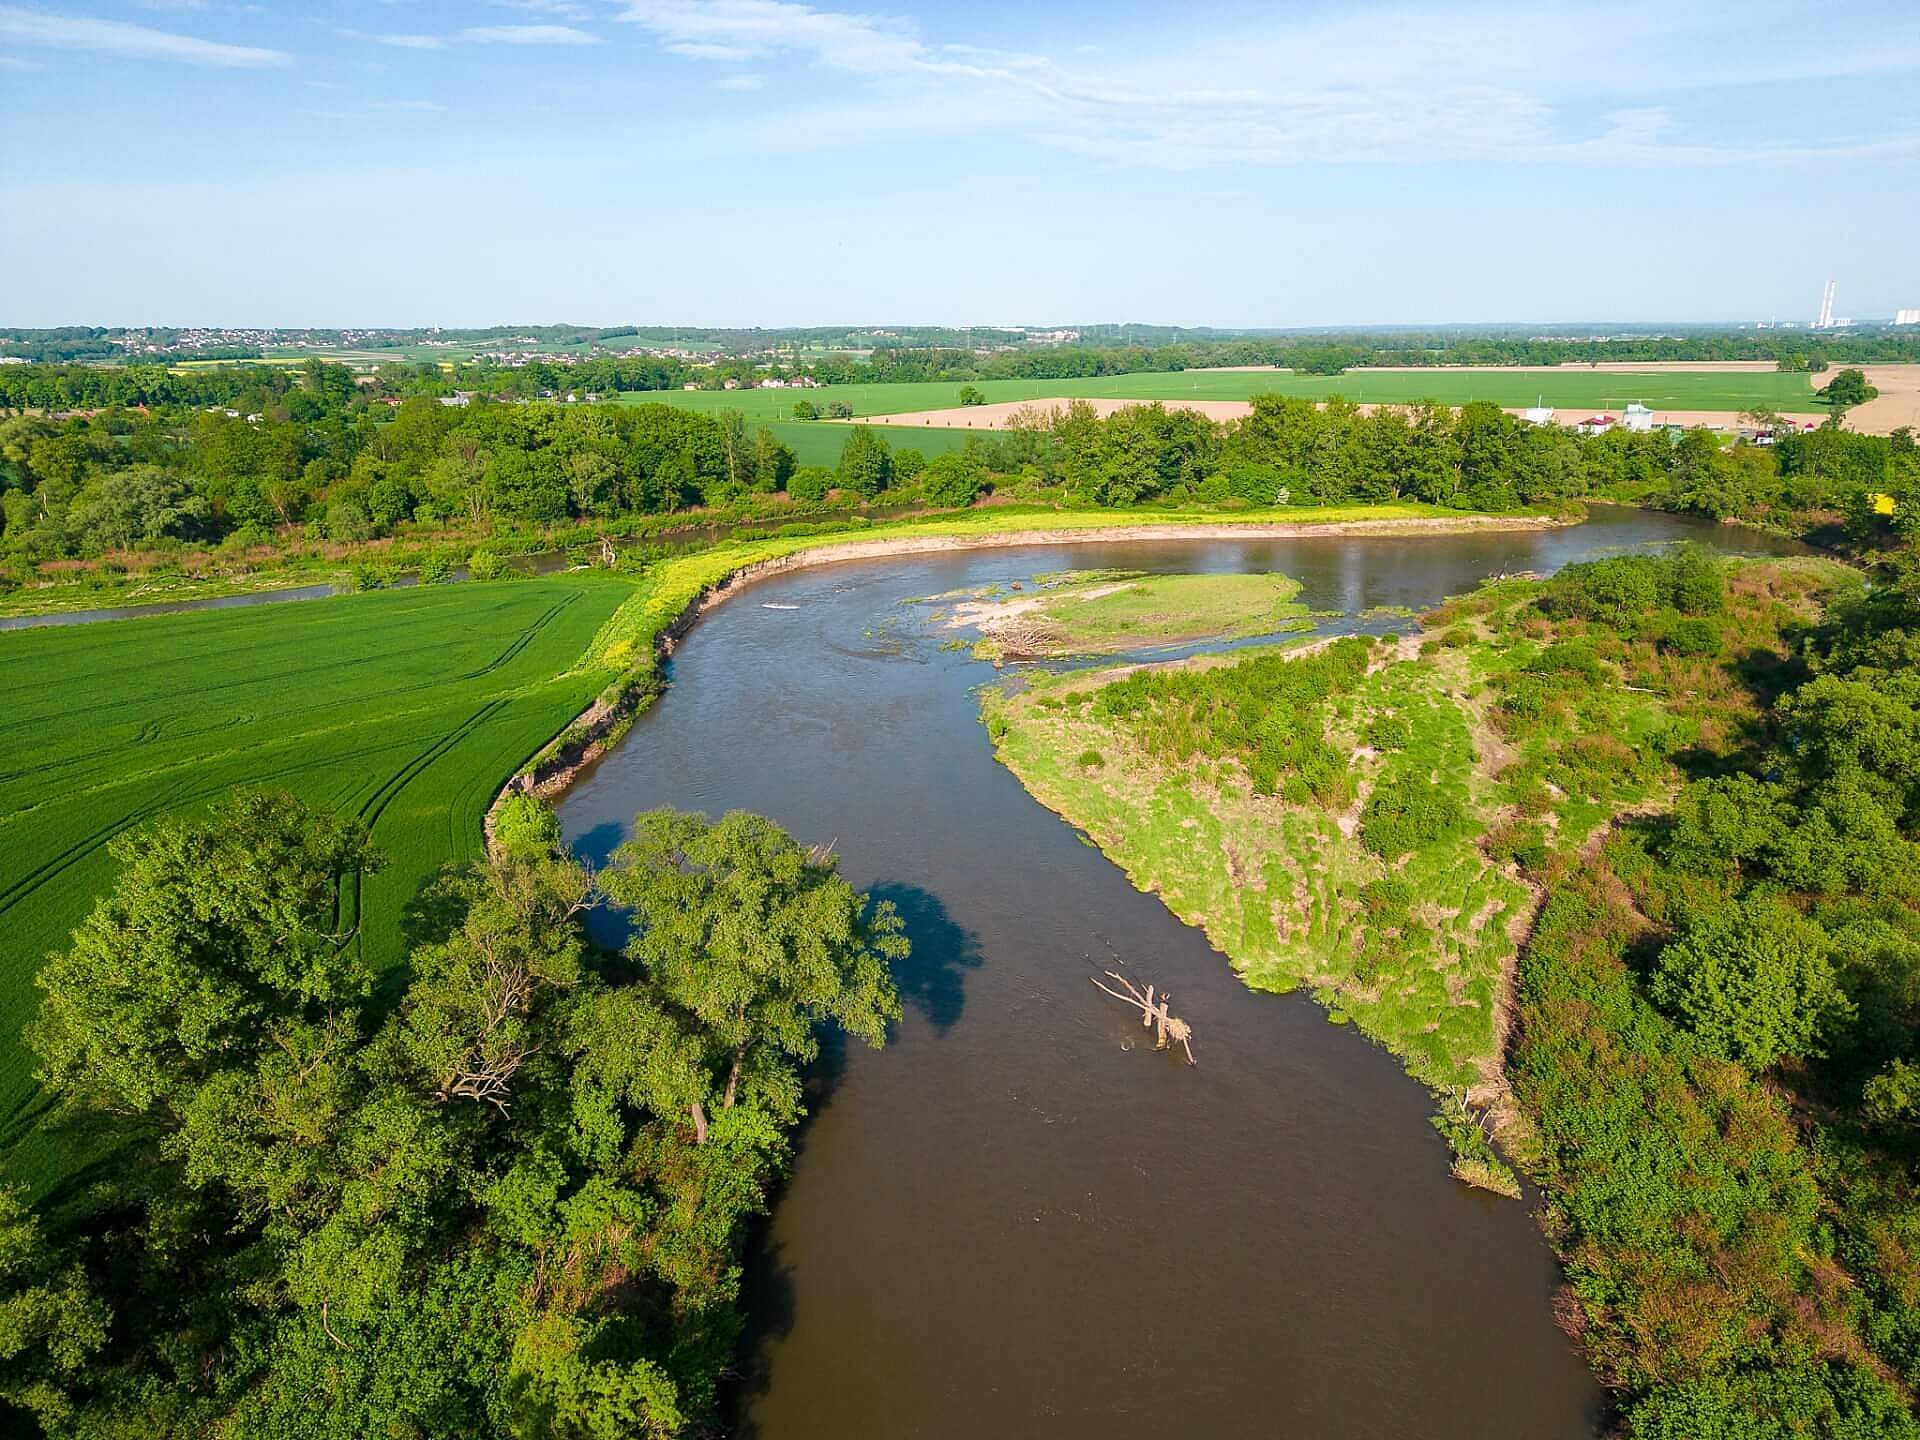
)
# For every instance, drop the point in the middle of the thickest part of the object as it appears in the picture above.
(136, 506)
(216, 931)
(865, 464)
(51, 1322)
(972, 395)
(756, 941)
(1754, 982)
(953, 480)
(805, 410)
(1848, 388)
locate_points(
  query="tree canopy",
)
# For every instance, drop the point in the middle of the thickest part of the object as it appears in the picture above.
(492, 1203)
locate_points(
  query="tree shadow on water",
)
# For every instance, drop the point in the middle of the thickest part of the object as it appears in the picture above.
(932, 980)
(596, 846)
(766, 1300)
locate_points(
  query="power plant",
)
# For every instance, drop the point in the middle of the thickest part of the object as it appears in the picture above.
(1825, 322)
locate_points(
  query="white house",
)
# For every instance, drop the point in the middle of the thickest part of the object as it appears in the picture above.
(1638, 417)
(1538, 415)
(1596, 425)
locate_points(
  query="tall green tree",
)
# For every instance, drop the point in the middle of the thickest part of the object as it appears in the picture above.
(757, 940)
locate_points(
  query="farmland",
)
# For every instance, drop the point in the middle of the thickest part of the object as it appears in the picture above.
(1721, 390)
(407, 708)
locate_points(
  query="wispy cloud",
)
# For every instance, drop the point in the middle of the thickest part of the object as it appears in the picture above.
(741, 80)
(1406, 80)
(530, 35)
(564, 9)
(412, 42)
(117, 37)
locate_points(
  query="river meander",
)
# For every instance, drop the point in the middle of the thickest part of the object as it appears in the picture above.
(1018, 1220)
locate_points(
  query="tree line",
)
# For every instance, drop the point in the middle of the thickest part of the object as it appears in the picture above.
(507, 1200)
(247, 457)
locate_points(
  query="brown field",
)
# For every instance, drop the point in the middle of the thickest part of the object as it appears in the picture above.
(1612, 367)
(1897, 404)
(1001, 416)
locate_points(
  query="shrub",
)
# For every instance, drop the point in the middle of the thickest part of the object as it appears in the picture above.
(1390, 732)
(810, 484)
(1753, 981)
(483, 565)
(952, 480)
(1091, 760)
(526, 826)
(1388, 901)
(1407, 813)
(348, 521)
(1692, 635)
(436, 568)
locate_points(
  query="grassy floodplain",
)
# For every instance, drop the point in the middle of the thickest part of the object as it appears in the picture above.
(404, 707)
(1096, 612)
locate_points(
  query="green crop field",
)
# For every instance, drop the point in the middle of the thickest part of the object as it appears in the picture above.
(1726, 390)
(407, 708)
(818, 442)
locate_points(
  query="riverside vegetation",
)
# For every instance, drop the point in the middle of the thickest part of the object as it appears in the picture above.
(506, 1199)
(150, 483)
(1622, 864)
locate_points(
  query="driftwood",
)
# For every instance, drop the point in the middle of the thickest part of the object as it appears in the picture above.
(1153, 1013)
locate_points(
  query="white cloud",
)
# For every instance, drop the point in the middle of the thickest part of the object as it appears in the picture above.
(427, 105)
(117, 37)
(1406, 80)
(412, 42)
(530, 35)
(741, 80)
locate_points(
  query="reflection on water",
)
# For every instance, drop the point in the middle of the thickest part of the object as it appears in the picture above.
(1017, 1220)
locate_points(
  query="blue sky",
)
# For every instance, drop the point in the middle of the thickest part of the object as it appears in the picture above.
(409, 162)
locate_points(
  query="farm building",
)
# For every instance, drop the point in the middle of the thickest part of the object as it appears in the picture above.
(1638, 417)
(1596, 425)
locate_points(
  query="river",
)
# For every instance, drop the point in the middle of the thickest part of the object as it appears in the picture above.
(1016, 1219)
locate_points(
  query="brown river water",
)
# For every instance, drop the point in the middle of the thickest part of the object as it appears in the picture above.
(1017, 1219)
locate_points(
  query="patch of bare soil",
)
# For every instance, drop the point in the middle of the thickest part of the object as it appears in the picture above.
(1006, 415)
(1897, 404)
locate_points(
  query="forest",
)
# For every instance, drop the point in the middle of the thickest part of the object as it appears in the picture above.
(507, 1200)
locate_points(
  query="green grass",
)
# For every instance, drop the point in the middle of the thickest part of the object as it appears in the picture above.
(408, 708)
(1098, 612)
(819, 442)
(1730, 391)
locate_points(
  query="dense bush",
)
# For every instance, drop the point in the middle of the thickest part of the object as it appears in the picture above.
(1263, 715)
(1406, 813)
(1753, 981)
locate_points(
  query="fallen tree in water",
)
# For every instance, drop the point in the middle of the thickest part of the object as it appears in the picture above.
(1154, 1013)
